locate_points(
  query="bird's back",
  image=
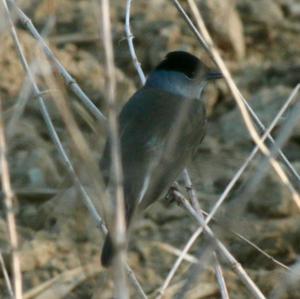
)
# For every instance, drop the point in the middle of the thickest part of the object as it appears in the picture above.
(159, 132)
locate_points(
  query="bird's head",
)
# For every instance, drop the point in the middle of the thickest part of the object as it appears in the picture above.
(181, 73)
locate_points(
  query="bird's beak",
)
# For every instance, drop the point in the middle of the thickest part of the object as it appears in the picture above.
(214, 75)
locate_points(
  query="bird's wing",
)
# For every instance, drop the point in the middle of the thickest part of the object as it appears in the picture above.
(145, 125)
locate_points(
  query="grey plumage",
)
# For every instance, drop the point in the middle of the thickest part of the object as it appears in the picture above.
(161, 127)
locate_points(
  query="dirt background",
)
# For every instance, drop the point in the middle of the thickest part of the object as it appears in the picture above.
(260, 42)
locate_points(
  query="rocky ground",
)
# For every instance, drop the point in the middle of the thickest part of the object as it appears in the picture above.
(259, 41)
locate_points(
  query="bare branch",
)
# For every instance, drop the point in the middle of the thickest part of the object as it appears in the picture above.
(130, 37)
(119, 232)
(9, 199)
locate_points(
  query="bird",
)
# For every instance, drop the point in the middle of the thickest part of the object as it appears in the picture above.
(160, 130)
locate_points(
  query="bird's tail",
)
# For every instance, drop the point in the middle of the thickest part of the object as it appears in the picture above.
(108, 249)
(107, 252)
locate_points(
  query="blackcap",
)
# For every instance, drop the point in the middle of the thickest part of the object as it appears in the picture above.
(160, 129)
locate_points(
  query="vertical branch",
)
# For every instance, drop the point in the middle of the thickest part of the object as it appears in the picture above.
(9, 198)
(191, 192)
(119, 233)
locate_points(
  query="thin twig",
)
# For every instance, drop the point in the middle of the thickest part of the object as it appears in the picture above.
(6, 277)
(10, 203)
(119, 233)
(135, 282)
(220, 278)
(130, 37)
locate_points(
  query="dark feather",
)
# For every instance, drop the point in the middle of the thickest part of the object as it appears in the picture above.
(145, 125)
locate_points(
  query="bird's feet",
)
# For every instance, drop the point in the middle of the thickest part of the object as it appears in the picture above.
(172, 196)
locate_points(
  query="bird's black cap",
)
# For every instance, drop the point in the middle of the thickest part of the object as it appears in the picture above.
(181, 61)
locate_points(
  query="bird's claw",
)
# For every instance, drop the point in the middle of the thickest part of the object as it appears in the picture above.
(172, 197)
